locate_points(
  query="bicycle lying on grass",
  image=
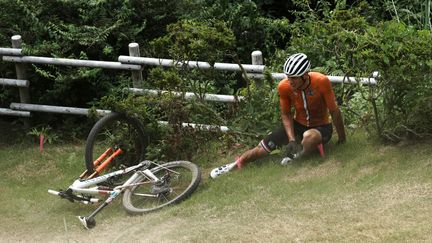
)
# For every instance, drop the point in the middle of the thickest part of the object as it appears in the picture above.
(146, 185)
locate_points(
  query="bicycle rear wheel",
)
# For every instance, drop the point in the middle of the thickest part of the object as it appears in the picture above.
(178, 180)
(116, 130)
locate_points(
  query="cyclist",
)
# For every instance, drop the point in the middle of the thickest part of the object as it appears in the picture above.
(313, 99)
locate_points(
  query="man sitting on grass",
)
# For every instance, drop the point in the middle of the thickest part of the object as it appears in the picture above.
(313, 99)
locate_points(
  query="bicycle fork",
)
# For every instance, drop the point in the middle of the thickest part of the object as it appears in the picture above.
(89, 221)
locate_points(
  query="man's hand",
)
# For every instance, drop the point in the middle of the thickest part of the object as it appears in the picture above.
(341, 141)
(338, 122)
(292, 147)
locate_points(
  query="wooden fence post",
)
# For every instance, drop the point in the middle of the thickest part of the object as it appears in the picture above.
(257, 60)
(137, 77)
(21, 71)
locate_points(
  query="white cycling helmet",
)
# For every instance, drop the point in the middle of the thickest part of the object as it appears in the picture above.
(296, 65)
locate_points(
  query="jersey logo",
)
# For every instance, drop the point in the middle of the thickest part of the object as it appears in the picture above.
(308, 93)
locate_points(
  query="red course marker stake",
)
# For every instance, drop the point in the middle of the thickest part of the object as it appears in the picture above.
(41, 142)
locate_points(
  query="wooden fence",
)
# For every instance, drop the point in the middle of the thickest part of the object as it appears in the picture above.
(133, 63)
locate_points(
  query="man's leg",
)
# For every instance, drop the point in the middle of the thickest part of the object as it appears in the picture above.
(273, 140)
(311, 139)
(248, 156)
(251, 155)
(270, 142)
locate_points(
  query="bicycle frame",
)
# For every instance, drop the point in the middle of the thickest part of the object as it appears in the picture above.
(82, 186)
(89, 187)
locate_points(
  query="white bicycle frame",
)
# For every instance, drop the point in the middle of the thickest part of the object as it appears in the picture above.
(85, 186)
(82, 188)
(89, 186)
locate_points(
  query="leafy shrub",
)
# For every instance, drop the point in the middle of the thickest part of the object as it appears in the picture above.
(196, 40)
(348, 45)
(402, 54)
(340, 39)
(252, 30)
(172, 140)
(258, 113)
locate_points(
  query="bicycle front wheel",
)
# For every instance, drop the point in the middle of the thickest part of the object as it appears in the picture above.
(178, 180)
(116, 131)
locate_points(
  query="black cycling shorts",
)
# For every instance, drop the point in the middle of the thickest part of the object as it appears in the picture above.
(278, 137)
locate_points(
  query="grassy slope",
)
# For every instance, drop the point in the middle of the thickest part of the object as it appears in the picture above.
(359, 192)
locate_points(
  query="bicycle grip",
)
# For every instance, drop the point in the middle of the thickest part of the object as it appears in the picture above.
(53, 192)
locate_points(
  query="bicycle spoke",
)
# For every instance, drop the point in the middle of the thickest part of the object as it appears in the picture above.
(177, 179)
(144, 195)
(166, 199)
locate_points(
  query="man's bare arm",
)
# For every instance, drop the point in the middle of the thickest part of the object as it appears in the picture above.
(288, 123)
(339, 124)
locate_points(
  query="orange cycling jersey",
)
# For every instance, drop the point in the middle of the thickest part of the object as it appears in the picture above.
(312, 105)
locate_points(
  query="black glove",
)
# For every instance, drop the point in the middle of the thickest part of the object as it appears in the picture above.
(292, 147)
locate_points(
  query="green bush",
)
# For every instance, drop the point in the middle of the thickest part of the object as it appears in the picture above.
(96, 30)
(258, 113)
(402, 55)
(339, 38)
(347, 44)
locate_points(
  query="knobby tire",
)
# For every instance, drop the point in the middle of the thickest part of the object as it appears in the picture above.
(130, 130)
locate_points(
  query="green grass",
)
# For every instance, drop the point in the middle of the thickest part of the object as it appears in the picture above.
(360, 192)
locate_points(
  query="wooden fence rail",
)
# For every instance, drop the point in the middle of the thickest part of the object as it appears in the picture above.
(71, 62)
(10, 52)
(133, 63)
(192, 64)
(14, 82)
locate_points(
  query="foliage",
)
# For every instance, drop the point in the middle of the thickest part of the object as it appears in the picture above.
(258, 112)
(189, 41)
(185, 40)
(196, 40)
(171, 140)
(49, 136)
(350, 38)
(253, 31)
(402, 55)
(181, 140)
(413, 13)
(96, 30)
(348, 44)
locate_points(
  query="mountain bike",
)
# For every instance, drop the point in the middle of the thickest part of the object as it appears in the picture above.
(146, 190)
(146, 186)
